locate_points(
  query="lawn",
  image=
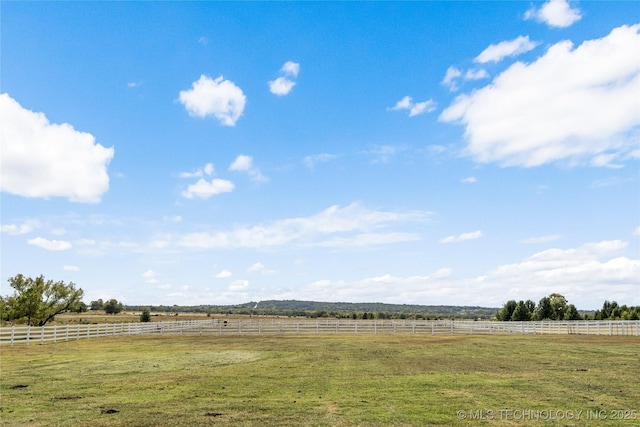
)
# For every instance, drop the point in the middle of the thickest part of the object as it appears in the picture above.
(323, 381)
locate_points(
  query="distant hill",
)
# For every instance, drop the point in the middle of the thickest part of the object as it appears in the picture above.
(336, 310)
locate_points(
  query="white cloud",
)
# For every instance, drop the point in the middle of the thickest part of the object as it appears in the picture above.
(366, 240)
(637, 231)
(291, 68)
(204, 189)
(133, 84)
(71, 268)
(497, 52)
(450, 78)
(462, 237)
(283, 85)
(542, 239)
(476, 74)
(244, 163)
(345, 223)
(311, 161)
(255, 267)
(207, 170)
(224, 274)
(51, 245)
(415, 108)
(238, 285)
(555, 13)
(241, 163)
(589, 271)
(41, 159)
(570, 104)
(219, 98)
(150, 276)
(258, 267)
(17, 229)
(469, 180)
(586, 275)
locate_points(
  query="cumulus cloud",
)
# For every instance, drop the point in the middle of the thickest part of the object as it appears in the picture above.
(462, 237)
(255, 267)
(17, 229)
(291, 68)
(150, 276)
(50, 245)
(207, 170)
(258, 267)
(415, 108)
(218, 97)
(283, 85)
(637, 231)
(203, 189)
(497, 52)
(591, 270)
(42, 159)
(334, 225)
(570, 104)
(244, 163)
(555, 13)
(586, 275)
(224, 274)
(453, 76)
(71, 268)
(450, 77)
(469, 180)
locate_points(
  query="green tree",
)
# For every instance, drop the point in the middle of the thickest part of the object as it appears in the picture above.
(97, 305)
(507, 310)
(607, 309)
(572, 313)
(531, 306)
(37, 301)
(112, 306)
(544, 310)
(145, 316)
(558, 306)
(521, 312)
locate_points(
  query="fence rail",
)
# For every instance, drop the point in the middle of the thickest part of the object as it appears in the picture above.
(46, 334)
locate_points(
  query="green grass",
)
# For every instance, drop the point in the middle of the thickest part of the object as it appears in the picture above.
(317, 380)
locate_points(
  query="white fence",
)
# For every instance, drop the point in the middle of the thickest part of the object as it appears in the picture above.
(40, 335)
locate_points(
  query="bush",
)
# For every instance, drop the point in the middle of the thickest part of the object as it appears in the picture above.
(145, 316)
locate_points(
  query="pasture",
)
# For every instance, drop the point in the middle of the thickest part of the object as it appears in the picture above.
(323, 380)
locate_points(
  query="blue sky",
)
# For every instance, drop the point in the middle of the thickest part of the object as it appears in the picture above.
(192, 153)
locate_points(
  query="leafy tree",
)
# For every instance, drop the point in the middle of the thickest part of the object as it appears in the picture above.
(558, 306)
(507, 310)
(572, 313)
(607, 309)
(97, 305)
(145, 316)
(521, 312)
(544, 310)
(531, 306)
(112, 306)
(38, 300)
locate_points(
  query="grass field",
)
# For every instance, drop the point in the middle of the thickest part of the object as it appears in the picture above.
(323, 381)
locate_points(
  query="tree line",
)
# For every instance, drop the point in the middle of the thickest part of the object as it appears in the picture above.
(37, 301)
(556, 307)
